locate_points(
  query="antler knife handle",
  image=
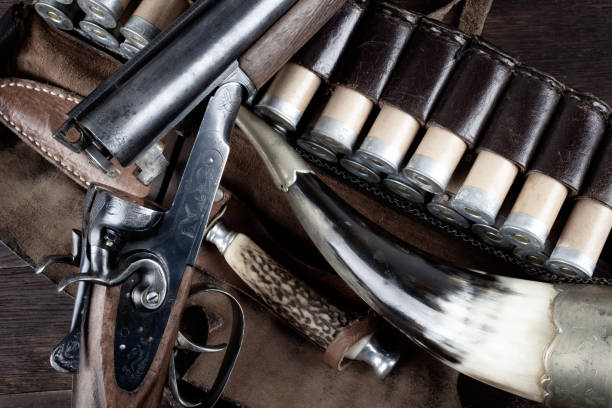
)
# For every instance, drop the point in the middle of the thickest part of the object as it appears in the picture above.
(293, 300)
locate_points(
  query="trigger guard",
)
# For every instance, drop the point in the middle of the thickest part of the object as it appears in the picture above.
(229, 359)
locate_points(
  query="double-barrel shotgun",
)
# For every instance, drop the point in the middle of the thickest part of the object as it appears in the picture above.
(135, 257)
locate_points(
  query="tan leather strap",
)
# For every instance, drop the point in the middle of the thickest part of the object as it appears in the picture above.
(351, 334)
(473, 15)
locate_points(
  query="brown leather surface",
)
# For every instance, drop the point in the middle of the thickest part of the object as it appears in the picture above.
(472, 92)
(521, 117)
(322, 52)
(33, 111)
(51, 55)
(374, 49)
(423, 69)
(570, 142)
(351, 334)
(38, 205)
(598, 184)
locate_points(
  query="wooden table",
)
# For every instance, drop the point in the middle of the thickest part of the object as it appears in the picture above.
(35, 318)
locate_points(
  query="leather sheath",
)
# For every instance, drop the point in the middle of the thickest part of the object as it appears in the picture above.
(321, 54)
(20, 104)
(374, 49)
(520, 119)
(598, 184)
(473, 91)
(571, 141)
(423, 69)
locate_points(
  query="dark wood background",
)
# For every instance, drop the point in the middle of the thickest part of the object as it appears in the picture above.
(569, 39)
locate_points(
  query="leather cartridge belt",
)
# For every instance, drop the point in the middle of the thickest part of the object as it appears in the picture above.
(447, 120)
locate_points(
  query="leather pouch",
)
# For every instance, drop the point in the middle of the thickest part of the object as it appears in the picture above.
(423, 70)
(472, 92)
(322, 53)
(520, 119)
(598, 184)
(572, 139)
(374, 49)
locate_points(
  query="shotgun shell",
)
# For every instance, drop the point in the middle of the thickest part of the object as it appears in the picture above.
(435, 159)
(388, 140)
(312, 146)
(491, 234)
(59, 13)
(341, 121)
(99, 34)
(534, 256)
(485, 188)
(104, 12)
(582, 240)
(441, 207)
(288, 96)
(129, 49)
(404, 188)
(138, 31)
(361, 168)
(534, 211)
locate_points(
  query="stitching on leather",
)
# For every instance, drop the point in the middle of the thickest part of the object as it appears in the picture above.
(44, 149)
(40, 89)
(39, 145)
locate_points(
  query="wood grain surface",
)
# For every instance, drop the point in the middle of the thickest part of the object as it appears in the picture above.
(285, 37)
(565, 38)
(9, 259)
(34, 319)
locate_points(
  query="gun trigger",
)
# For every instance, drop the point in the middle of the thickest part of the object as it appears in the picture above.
(184, 343)
(74, 258)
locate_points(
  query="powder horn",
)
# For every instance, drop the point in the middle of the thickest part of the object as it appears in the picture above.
(545, 342)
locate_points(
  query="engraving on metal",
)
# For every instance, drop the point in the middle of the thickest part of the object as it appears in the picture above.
(578, 361)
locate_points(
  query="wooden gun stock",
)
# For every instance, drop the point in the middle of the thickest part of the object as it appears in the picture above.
(95, 384)
(286, 37)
